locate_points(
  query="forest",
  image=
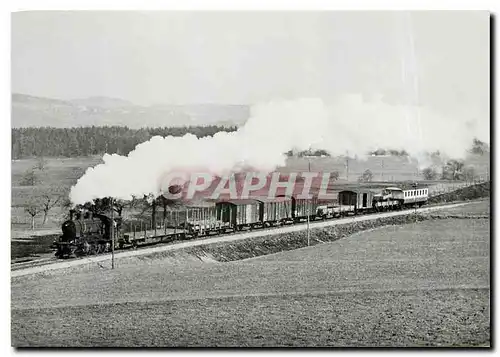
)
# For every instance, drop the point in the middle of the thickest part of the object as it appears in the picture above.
(97, 140)
(93, 140)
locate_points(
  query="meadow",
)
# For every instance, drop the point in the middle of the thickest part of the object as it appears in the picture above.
(421, 284)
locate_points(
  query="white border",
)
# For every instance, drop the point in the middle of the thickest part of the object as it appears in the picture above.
(23, 5)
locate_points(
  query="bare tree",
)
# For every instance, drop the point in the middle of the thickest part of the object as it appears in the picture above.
(334, 176)
(33, 209)
(367, 176)
(453, 170)
(479, 147)
(469, 174)
(429, 173)
(29, 178)
(103, 206)
(49, 198)
(151, 202)
(40, 164)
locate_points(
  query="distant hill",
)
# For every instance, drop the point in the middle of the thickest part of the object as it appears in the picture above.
(30, 111)
(102, 102)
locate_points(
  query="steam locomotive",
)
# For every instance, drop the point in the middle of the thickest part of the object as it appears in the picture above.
(87, 233)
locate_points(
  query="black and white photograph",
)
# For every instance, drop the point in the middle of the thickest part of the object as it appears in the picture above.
(244, 179)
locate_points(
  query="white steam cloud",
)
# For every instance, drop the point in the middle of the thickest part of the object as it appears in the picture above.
(348, 125)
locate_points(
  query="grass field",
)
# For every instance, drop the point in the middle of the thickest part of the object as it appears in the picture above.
(361, 319)
(62, 172)
(422, 284)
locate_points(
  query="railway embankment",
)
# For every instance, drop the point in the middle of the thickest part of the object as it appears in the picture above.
(232, 248)
(468, 193)
(258, 246)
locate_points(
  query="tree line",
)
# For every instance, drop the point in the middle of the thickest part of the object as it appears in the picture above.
(94, 140)
(98, 140)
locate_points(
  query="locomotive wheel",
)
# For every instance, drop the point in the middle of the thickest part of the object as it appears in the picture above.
(92, 249)
(100, 248)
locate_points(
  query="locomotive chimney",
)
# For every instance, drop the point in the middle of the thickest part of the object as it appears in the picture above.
(71, 214)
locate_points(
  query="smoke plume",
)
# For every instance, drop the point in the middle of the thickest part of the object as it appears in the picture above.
(348, 125)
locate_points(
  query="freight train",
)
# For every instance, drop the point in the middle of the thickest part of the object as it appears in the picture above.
(87, 234)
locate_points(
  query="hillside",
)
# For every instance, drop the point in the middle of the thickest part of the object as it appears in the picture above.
(30, 111)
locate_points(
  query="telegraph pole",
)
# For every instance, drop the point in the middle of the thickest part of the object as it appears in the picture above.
(309, 212)
(415, 185)
(347, 168)
(308, 233)
(112, 235)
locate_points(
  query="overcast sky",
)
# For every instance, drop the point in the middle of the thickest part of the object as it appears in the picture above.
(439, 59)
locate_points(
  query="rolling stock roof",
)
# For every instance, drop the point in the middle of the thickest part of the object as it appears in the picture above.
(274, 199)
(238, 202)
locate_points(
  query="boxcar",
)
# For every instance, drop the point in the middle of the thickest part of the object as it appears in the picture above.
(275, 210)
(201, 219)
(239, 213)
(359, 201)
(301, 208)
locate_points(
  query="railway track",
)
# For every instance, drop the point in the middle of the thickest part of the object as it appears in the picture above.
(46, 264)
